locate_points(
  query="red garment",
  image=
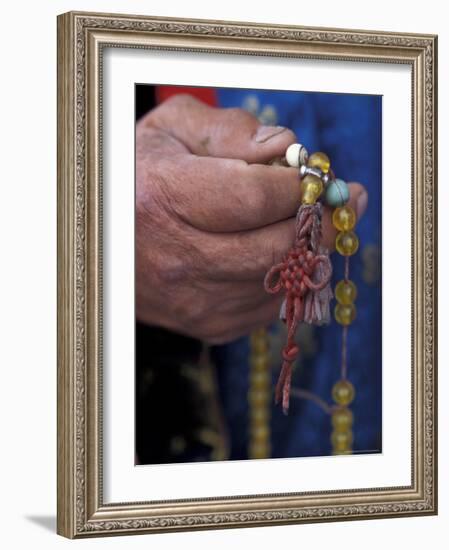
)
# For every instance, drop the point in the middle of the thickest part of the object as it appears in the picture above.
(207, 95)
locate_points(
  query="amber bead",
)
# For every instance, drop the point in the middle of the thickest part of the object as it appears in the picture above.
(259, 415)
(343, 392)
(345, 292)
(257, 398)
(345, 314)
(319, 160)
(260, 449)
(344, 218)
(260, 362)
(260, 380)
(341, 419)
(259, 346)
(260, 433)
(258, 333)
(341, 441)
(347, 243)
(311, 189)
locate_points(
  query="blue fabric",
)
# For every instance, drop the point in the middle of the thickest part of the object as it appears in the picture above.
(348, 128)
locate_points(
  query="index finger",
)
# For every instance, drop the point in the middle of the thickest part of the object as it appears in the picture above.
(229, 195)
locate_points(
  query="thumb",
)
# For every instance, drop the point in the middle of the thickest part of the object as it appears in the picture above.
(224, 133)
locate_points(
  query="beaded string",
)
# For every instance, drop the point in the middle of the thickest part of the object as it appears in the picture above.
(346, 244)
(259, 396)
(304, 274)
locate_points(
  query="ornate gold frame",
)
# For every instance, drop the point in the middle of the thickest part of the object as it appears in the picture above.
(81, 37)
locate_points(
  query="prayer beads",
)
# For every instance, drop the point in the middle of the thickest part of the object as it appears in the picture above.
(311, 187)
(341, 441)
(345, 314)
(347, 243)
(319, 160)
(343, 392)
(259, 396)
(337, 193)
(345, 292)
(341, 419)
(344, 218)
(304, 275)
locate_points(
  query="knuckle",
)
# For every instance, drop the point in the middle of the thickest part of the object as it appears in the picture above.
(150, 196)
(240, 116)
(170, 107)
(179, 100)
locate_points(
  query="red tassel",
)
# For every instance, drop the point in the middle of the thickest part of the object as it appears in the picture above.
(305, 275)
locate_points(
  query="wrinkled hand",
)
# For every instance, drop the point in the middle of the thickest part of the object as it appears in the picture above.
(212, 217)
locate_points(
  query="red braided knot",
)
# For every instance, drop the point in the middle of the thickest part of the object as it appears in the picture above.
(304, 274)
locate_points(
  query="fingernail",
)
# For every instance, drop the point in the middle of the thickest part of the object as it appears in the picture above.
(361, 204)
(264, 133)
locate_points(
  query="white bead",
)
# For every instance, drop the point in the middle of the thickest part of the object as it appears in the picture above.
(296, 155)
(292, 155)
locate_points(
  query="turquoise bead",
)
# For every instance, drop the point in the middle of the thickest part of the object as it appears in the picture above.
(337, 193)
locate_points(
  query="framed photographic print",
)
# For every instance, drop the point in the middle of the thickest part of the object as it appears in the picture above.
(246, 274)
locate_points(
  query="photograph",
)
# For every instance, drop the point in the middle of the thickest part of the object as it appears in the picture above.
(222, 178)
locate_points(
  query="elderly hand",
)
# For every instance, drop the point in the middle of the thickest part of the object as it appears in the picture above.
(212, 217)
